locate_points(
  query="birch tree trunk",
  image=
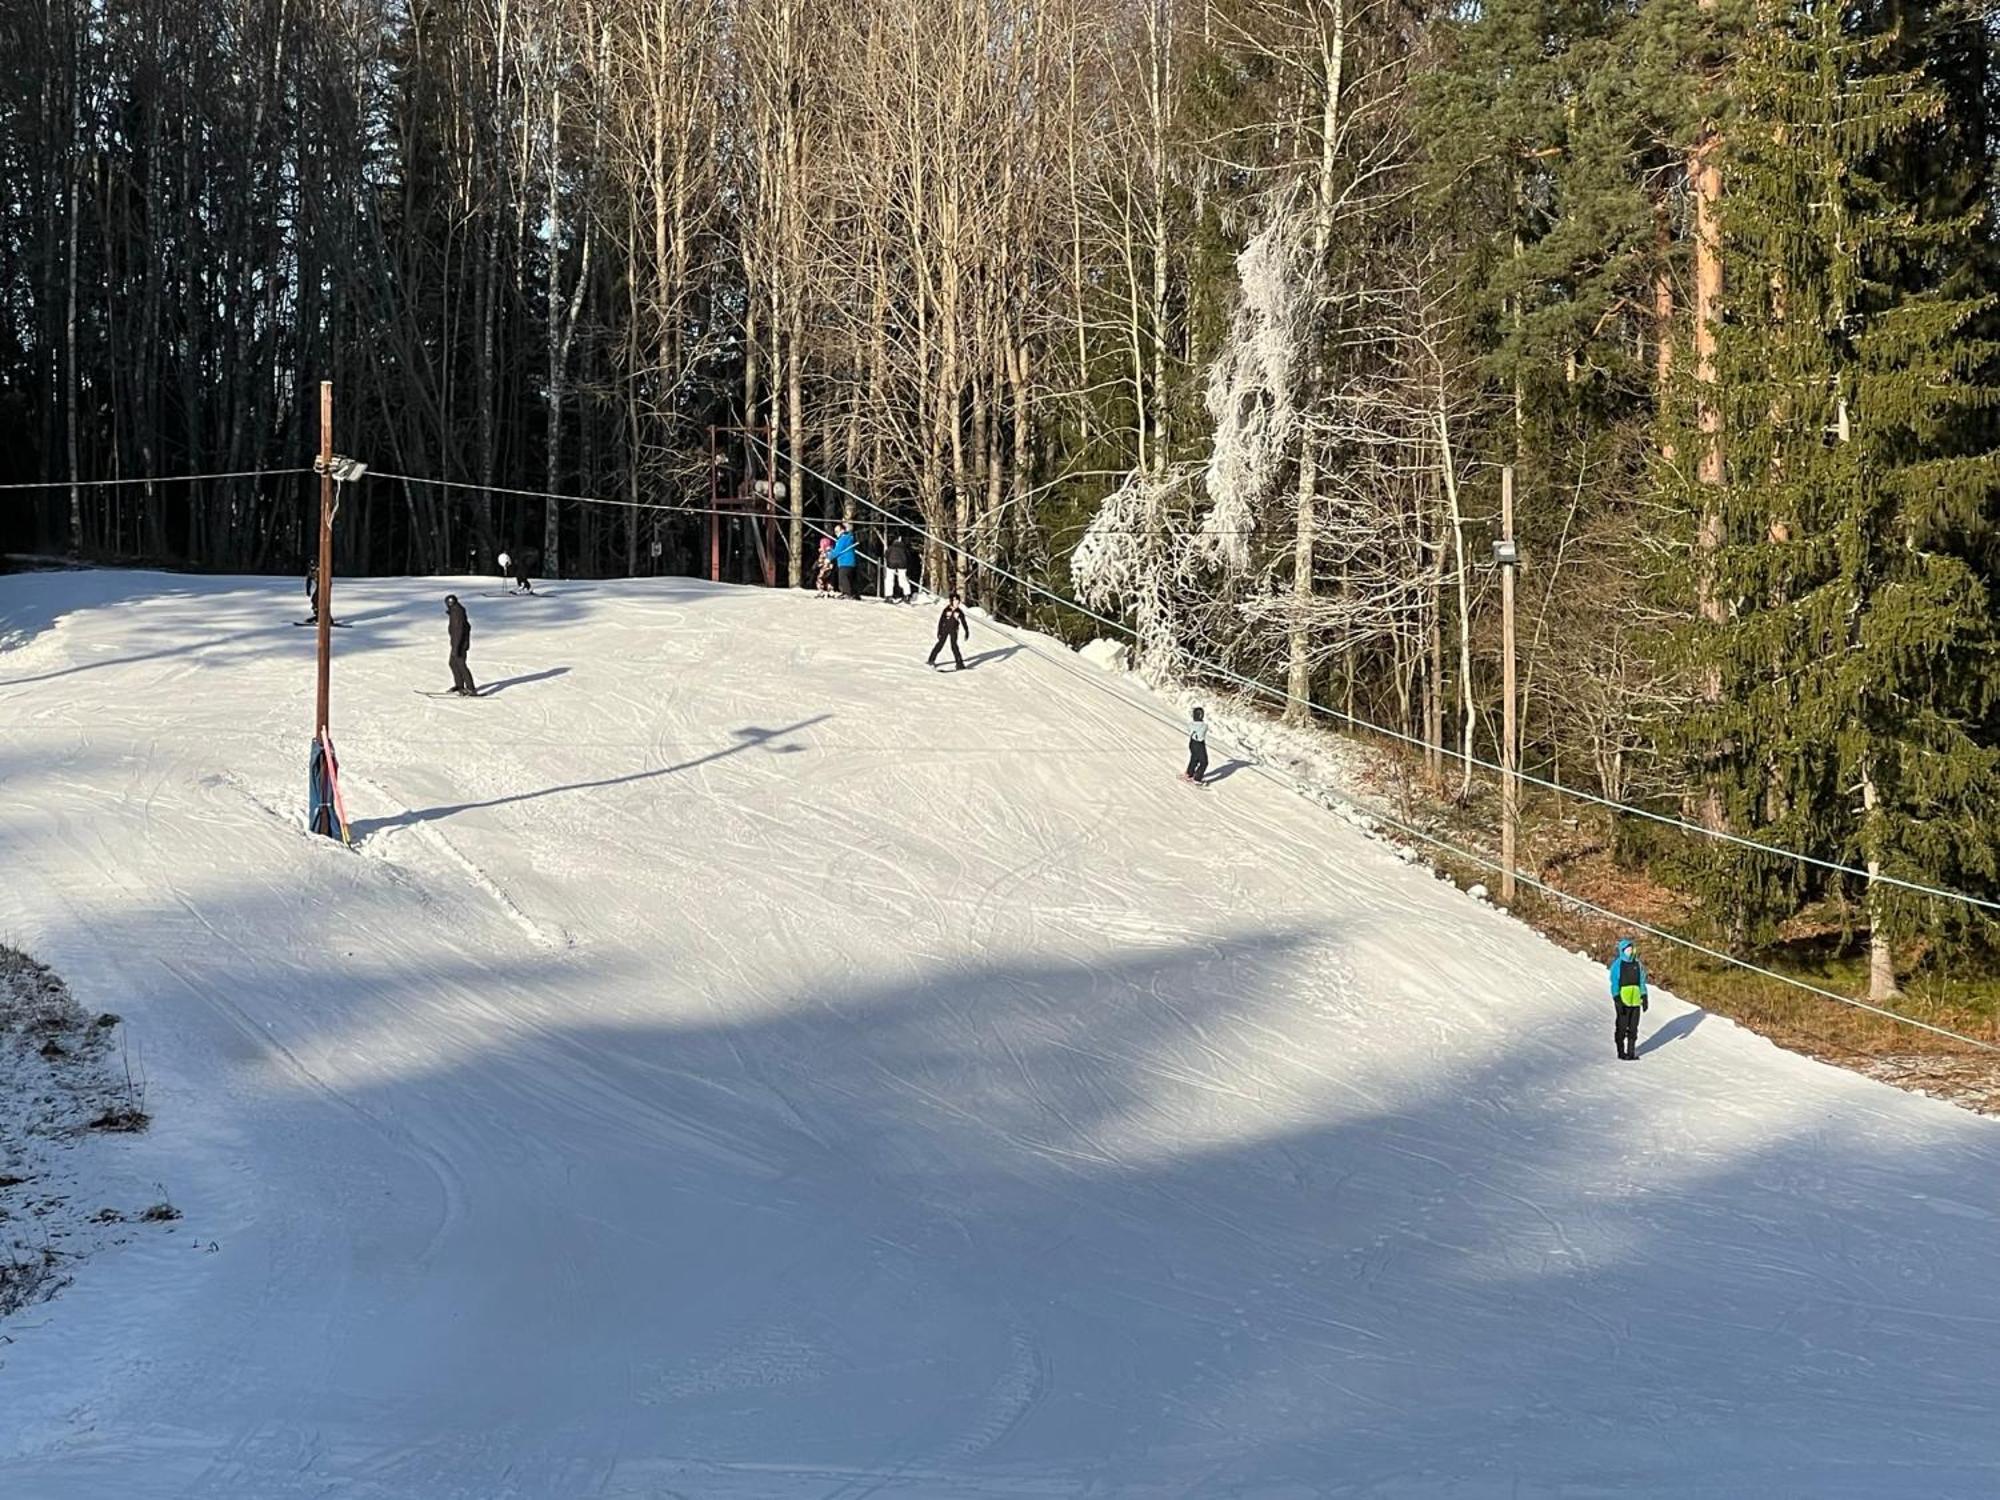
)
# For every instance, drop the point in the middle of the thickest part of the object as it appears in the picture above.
(1298, 682)
(1882, 986)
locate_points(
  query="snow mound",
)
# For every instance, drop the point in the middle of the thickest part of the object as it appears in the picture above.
(735, 1062)
(1107, 655)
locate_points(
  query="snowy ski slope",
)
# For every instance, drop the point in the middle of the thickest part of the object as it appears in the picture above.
(737, 1063)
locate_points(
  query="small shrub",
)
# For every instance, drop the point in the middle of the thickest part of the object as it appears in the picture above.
(122, 1120)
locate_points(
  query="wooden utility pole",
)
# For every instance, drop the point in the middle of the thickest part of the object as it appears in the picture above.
(320, 725)
(1510, 786)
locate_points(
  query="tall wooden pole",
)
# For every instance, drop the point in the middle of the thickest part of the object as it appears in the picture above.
(325, 554)
(1510, 786)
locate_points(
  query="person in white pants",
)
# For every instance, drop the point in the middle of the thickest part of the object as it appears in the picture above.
(896, 563)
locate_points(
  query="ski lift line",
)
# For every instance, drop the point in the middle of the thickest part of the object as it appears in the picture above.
(1484, 861)
(1262, 768)
(1675, 938)
(501, 489)
(1104, 684)
(739, 512)
(1266, 690)
(86, 484)
(808, 522)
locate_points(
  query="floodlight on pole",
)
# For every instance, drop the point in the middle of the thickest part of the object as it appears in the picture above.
(344, 471)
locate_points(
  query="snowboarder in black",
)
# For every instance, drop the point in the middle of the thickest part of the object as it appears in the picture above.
(1628, 999)
(461, 640)
(897, 561)
(950, 622)
(1197, 768)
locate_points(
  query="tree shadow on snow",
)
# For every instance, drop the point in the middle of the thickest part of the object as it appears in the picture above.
(750, 738)
(853, 1226)
(1087, 1189)
(1032, 1209)
(229, 621)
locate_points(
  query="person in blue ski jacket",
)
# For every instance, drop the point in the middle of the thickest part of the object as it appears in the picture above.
(1628, 998)
(844, 558)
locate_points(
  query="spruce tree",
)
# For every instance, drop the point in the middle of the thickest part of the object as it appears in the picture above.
(1857, 663)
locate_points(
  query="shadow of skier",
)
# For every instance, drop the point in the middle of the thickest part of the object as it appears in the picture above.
(1673, 1031)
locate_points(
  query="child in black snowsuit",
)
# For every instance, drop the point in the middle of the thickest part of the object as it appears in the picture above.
(950, 622)
(1197, 767)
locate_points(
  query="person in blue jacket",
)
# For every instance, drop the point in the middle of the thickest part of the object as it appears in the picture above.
(844, 558)
(1628, 998)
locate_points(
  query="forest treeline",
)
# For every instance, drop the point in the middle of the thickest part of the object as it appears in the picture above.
(1233, 317)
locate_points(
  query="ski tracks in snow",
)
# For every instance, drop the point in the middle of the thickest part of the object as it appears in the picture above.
(932, 1100)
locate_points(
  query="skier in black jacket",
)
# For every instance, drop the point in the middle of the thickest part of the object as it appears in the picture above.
(950, 622)
(312, 589)
(461, 640)
(898, 563)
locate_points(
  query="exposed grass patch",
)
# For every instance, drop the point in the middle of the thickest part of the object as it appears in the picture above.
(64, 1075)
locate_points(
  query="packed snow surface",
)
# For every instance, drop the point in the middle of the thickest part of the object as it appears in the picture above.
(736, 1062)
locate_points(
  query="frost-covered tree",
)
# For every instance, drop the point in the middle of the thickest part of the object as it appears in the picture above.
(1253, 388)
(1126, 562)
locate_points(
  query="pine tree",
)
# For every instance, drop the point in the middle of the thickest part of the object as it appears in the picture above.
(1858, 664)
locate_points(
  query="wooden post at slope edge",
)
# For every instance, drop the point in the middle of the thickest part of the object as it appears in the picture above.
(1510, 786)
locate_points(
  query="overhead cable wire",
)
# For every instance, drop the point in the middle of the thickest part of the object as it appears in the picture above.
(1488, 862)
(1265, 689)
(86, 484)
(1484, 861)
(1099, 680)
